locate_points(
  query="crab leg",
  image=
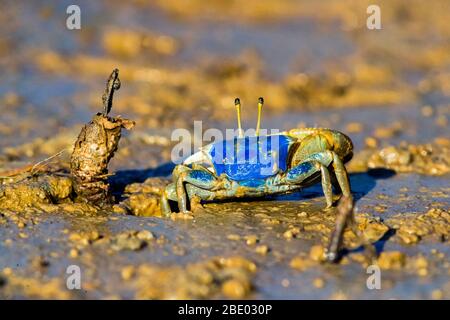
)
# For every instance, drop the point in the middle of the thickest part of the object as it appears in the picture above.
(315, 162)
(184, 176)
(341, 175)
(164, 203)
(326, 185)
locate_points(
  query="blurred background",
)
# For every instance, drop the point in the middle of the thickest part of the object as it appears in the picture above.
(315, 62)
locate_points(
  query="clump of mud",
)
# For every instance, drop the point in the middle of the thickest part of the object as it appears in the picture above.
(94, 148)
(34, 191)
(430, 158)
(32, 287)
(218, 277)
(128, 240)
(142, 199)
(87, 181)
(434, 224)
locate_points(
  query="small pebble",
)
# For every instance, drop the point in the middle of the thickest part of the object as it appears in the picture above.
(127, 272)
(317, 253)
(251, 239)
(234, 237)
(318, 283)
(263, 249)
(73, 253)
(235, 289)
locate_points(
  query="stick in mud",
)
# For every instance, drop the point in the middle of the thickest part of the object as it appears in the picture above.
(94, 148)
(346, 217)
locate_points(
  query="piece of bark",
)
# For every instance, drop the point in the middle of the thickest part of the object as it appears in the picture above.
(94, 148)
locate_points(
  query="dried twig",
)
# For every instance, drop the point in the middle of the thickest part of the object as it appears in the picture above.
(31, 169)
(346, 217)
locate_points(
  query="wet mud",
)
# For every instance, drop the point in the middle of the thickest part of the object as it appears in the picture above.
(178, 65)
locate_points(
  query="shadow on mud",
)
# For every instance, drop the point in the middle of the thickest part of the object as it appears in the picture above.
(122, 178)
(361, 183)
(377, 245)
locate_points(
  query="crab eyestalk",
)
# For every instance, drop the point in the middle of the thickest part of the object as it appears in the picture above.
(258, 123)
(94, 148)
(237, 103)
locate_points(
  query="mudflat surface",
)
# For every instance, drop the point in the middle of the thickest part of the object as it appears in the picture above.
(179, 64)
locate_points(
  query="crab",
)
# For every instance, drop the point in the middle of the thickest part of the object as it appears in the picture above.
(261, 165)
